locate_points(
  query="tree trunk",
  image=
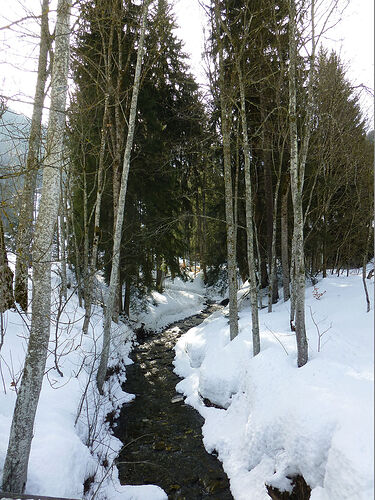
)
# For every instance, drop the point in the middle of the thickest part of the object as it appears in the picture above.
(25, 221)
(159, 274)
(204, 240)
(16, 462)
(297, 172)
(249, 219)
(229, 212)
(284, 244)
(364, 264)
(99, 194)
(120, 209)
(127, 297)
(273, 292)
(62, 257)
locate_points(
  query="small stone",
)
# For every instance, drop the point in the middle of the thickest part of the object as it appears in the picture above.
(177, 399)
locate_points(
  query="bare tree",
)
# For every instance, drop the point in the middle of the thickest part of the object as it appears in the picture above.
(21, 433)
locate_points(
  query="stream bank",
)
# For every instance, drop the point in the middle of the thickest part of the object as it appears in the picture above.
(162, 437)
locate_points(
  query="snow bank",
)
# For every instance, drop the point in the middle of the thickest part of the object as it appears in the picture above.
(278, 419)
(179, 300)
(72, 440)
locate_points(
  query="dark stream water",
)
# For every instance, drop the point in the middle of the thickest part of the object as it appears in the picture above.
(163, 440)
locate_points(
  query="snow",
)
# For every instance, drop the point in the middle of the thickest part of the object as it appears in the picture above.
(277, 419)
(72, 439)
(179, 300)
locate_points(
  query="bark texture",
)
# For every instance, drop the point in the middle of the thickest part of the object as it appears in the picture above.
(16, 462)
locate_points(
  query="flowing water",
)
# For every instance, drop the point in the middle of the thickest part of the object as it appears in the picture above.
(162, 436)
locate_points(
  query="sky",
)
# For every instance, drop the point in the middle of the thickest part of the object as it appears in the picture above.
(352, 38)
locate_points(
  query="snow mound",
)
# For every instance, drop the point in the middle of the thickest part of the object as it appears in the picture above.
(281, 420)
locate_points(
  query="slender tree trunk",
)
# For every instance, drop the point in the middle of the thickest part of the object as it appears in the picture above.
(62, 226)
(297, 171)
(204, 239)
(114, 279)
(249, 219)
(268, 193)
(365, 257)
(260, 299)
(119, 141)
(21, 433)
(159, 274)
(229, 212)
(91, 267)
(25, 221)
(273, 293)
(284, 244)
(127, 297)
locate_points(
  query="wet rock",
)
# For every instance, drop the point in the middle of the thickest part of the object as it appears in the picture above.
(210, 404)
(177, 399)
(301, 490)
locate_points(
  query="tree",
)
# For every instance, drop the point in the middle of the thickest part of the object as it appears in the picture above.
(225, 72)
(16, 462)
(297, 172)
(102, 370)
(25, 220)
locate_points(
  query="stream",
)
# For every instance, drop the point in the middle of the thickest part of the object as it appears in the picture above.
(163, 439)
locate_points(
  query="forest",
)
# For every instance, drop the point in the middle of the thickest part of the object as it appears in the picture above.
(134, 198)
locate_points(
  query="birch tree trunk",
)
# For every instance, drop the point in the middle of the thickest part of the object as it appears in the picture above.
(25, 221)
(249, 219)
(284, 244)
(297, 172)
(114, 279)
(16, 462)
(229, 212)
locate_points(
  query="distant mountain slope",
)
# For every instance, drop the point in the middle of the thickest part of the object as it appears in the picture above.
(14, 132)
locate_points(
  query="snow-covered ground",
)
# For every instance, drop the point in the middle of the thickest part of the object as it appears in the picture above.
(278, 419)
(72, 440)
(179, 300)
